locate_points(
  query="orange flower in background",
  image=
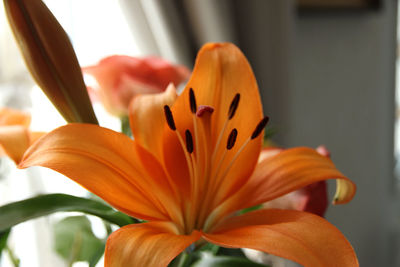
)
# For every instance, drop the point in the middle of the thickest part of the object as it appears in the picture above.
(120, 78)
(15, 137)
(9, 116)
(193, 164)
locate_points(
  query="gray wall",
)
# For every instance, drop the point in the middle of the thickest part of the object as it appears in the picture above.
(342, 95)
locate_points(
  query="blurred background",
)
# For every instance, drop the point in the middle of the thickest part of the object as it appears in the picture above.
(327, 73)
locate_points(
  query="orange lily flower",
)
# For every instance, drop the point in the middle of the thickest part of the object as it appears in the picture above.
(15, 137)
(192, 166)
(120, 78)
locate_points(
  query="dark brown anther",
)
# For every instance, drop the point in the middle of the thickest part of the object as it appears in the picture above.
(169, 118)
(233, 107)
(192, 101)
(260, 127)
(231, 139)
(189, 141)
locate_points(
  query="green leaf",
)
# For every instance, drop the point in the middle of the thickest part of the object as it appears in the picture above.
(224, 261)
(31, 208)
(3, 239)
(97, 256)
(75, 241)
(234, 252)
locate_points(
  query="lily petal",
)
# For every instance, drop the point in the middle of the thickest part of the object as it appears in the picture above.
(286, 172)
(268, 152)
(293, 169)
(14, 141)
(34, 136)
(299, 236)
(153, 244)
(221, 71)
(10, 116)
(147, 119)
(110, 165)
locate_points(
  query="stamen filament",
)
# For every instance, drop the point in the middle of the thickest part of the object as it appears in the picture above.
(177, 194)
(257, 131)
(214, 175)
(210, 219)
(212, 188)
(189, 162)
(188, 215)
(219, 179)
(214, 154)
(196, 137)
(232, 161)
(195, 194)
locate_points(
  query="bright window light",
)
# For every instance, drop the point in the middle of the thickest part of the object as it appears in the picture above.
(97, 29)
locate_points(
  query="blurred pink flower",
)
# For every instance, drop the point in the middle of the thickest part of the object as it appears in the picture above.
(312, 198)
(120, 78)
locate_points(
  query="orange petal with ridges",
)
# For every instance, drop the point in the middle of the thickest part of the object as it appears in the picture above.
(153, 244)
(14, 140)
(286, 172)
(268, 152)
(220, 72)
(110, 165)
(293, 169)
(34, 136)
(147, 119)
(299, 236)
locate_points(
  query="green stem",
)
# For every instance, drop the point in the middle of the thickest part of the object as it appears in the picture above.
(14, 259)
(125, 126)
(76, 248)
(108, 228)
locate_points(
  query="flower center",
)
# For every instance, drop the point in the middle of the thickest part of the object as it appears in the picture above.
(208, 168)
